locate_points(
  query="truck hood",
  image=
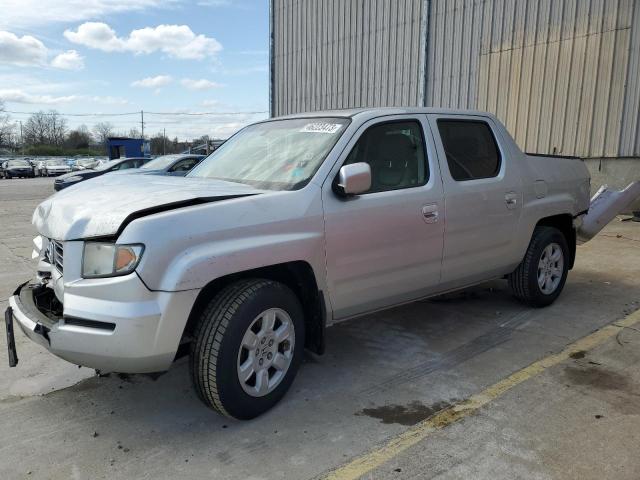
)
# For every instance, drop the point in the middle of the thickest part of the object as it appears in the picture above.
(100, 206)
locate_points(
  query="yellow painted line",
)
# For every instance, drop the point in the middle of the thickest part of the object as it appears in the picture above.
(369, 461)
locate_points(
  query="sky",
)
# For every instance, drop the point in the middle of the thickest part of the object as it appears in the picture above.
(120, 56)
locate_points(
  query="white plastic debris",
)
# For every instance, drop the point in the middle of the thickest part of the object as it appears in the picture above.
(605, 205)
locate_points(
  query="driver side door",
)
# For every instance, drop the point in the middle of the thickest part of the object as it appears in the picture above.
(384, 247)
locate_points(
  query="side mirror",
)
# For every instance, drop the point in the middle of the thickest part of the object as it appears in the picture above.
(353, 179)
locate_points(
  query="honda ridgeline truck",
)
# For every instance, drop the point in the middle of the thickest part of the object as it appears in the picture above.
(295, 223)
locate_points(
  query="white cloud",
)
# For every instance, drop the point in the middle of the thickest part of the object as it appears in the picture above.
(177, 41)
(201, 84)
(153, 82)
(69, 60)
(17, 95)
(29, 51)
(21, 51)
(25, 14)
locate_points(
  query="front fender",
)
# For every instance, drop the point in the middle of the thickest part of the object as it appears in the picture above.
(197, 266)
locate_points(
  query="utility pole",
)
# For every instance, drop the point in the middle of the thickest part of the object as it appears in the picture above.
(164, 138)
(21, 139)
(142, 122)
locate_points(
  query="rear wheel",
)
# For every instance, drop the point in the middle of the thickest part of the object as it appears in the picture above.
(248, 347)
(540, 277)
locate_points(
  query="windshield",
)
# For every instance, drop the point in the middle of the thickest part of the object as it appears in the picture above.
(160, 162)
(85, 161)
(56, 162)
(18, 163)
(109, 164)
(276, 155)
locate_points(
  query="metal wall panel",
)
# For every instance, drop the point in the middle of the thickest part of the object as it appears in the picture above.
(563, 75)
(330, 54)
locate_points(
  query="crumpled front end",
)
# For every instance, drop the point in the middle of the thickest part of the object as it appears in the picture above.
(110, 324)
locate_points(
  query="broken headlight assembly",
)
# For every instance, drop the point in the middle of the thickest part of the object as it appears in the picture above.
(101, 259)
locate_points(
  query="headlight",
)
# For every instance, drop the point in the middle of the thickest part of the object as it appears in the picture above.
(109, 260)
(75, 178)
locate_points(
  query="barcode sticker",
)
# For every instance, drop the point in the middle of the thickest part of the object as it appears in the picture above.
(321, 127)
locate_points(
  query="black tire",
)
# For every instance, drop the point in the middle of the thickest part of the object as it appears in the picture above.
(217, 339)
(524, 280)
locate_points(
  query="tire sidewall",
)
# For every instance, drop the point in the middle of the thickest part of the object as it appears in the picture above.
(234, 399)
(543, 239)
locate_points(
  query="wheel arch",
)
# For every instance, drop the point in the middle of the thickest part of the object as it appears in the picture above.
(297, 275)
(564, 223)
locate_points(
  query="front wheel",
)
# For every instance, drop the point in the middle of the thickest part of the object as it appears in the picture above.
(248, 347)
(540, 277)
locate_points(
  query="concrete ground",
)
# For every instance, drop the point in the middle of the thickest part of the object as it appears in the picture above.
(381, 375)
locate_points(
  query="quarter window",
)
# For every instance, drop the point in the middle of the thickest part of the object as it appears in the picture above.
(396, 154)
(471, 149)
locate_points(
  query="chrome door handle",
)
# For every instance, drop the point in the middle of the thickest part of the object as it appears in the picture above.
(430, 213)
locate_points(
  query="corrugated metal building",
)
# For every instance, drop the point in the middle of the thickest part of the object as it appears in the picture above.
(563, 75)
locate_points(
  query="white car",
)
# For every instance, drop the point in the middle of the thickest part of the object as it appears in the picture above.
(292, 225)
(54, 167)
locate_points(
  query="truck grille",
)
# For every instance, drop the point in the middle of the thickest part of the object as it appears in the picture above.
(54, 254)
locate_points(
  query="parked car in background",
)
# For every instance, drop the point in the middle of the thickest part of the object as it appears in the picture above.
(84, 164)
(113, 166)
(17, 168)
(177, 165)
(54, 166)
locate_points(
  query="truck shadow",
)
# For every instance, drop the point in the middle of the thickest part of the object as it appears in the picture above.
(429, 352)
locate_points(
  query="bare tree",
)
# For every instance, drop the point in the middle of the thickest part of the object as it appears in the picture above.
(57, 128)
(103, 131)
(79, 138)
(134, 133)
(36, 129)
(6, 127)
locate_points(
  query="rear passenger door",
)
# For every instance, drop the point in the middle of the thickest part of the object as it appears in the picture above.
(483, 198)
(385, 246)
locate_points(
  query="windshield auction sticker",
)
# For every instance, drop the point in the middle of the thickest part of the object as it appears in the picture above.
(321, 127)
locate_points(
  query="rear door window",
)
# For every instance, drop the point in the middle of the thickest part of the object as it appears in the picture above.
(471, 149)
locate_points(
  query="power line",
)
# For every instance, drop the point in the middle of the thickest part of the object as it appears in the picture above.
(75, 114)
(206, 113)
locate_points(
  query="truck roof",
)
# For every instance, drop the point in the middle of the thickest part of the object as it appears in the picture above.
(352, 112)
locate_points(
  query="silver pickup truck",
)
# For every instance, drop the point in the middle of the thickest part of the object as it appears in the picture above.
(293, 224)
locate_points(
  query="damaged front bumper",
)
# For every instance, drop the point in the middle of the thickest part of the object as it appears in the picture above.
(33, 323)
(138, 333)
